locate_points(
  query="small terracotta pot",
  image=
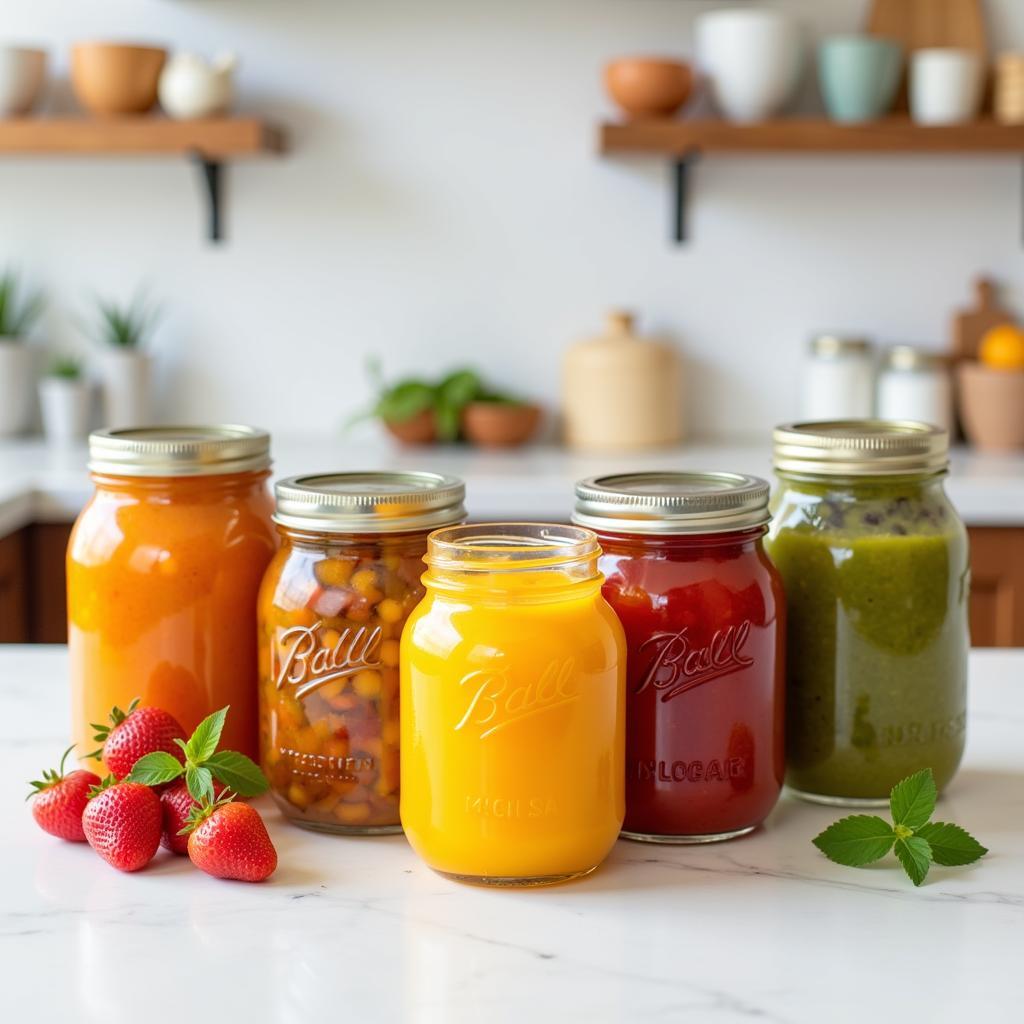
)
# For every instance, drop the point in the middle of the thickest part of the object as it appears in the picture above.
(991, 406)
(114, 78)
(648, 86)
(499, 424)
(418, 429)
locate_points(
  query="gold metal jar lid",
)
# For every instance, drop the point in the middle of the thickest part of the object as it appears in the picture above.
(179, 451)
(909, 359)
(838, 346)
(672, 503)
(369, 502)
(860, 448)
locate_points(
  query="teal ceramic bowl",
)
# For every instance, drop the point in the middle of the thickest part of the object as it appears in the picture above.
(859, 76)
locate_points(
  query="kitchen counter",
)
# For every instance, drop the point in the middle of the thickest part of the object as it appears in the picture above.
(358, 929)
(39, 483)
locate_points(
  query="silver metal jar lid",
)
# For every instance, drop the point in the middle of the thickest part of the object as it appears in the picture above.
(369, 502)
(671, 503)
(908, 359)
(179, 451)
(836, 346)
(860, 448)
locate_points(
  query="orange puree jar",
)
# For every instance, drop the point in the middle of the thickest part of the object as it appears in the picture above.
(331, 612)
(163, 570)
(513, 698)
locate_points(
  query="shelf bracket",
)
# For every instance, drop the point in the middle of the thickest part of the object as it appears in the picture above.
(682, 173)
(212, 175)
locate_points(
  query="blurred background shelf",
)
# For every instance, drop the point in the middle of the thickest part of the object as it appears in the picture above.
(808, 135)
(684, 142)
(208, 143)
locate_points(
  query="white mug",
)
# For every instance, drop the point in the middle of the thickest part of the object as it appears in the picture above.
(945, 86)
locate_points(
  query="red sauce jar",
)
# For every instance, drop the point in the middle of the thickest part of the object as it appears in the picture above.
(703, 612)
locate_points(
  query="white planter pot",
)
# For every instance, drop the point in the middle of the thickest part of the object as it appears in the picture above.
(22, 72)
(16, 388)
(752, 59)
(65, 406)
(945, 86)
(126, 376)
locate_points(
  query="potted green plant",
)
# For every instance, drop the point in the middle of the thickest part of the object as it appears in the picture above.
(18, 313)
(64, 396)
(126, 368)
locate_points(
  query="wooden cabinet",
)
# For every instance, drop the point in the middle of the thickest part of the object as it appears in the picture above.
(32, 587)
(997, 586)
(32, 602)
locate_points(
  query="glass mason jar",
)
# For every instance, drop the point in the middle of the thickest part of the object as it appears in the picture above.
(513, 672)
(703, 612)
(331, 612)
(163, 568)
(874, 562)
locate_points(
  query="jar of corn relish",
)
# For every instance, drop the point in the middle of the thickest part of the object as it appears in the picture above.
(702, 608)
(331, 611)
(513, 668)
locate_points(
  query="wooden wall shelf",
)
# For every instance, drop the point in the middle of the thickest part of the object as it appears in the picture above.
(684, 142)
(208, 143)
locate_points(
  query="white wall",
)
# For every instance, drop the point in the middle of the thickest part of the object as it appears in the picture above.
(443, 203)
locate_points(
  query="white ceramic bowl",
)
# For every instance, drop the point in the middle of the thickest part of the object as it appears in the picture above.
(22, 71)
(752, 58)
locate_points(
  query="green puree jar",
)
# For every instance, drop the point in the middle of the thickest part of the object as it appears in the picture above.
(873, 559)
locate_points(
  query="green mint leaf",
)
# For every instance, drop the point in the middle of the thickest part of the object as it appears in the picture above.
(856, 840)
(203, 742)
(238, 772)
(156, 768)
(913, 800)
(951, 845)
(199, 781)
(915, 855)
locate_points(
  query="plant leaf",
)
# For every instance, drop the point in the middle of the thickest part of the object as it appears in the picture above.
(199, 781)
(915, 855)
(238, 772)
(951, 845)
(857, 840)
(156, 768)
(404, 401)
(203, 742)
(913, 800)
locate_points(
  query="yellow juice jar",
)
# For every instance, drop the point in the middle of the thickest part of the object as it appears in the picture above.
(512, 707)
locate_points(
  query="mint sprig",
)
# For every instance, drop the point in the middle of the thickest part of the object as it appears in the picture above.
(203, 764)
(917, 842)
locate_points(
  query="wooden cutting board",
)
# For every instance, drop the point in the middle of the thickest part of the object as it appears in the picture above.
(971, 325)
(917, 24)
(921, 23)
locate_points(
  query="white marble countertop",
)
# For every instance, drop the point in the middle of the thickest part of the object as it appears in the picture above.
(760, 928)
(45, 484)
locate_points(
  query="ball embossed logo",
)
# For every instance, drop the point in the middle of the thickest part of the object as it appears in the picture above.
(678, 666)
(302, 661)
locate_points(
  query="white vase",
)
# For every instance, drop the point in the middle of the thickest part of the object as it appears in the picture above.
(65, 406)
(752, 60)
(126, 377)
(16, 389)
(191, 86)
(22, 71)
(945, 86)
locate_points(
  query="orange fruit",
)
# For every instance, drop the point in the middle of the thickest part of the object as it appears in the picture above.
(1002, 348)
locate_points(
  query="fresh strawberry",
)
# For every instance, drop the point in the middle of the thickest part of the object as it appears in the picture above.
(134, 733)
(122, 822)
(59, 799)
(229, 840)
(177, 803)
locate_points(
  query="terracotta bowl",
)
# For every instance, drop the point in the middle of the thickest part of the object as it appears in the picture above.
(420, 429)
(648, 86)
(991, 406)
(114, 78)
(499, 424)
